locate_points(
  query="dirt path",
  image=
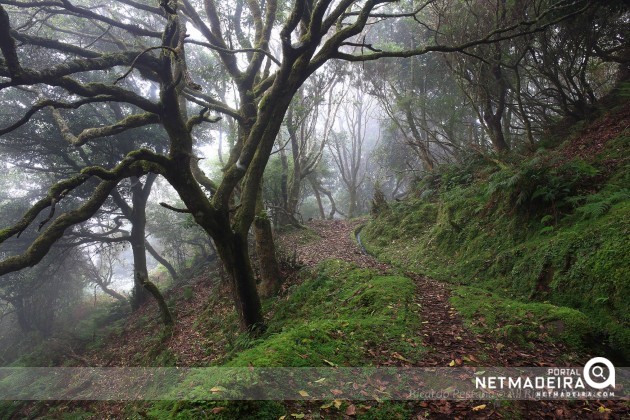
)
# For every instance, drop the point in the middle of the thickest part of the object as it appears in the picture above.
(443, 332)
(334, 239)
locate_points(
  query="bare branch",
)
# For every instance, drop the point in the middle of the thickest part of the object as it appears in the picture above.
(199, 118)
(130, 166)
(55, 104)
(235, 51)
(175, 209)
(133, 63)
(492, 37)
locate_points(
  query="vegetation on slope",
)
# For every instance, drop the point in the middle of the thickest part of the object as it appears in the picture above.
(340, 315)
(550, 227)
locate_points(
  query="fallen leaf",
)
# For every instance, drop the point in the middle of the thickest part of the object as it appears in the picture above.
(337, 403)
(216, 389)
(603, 409)
(303, 393)
(351, 410)
(452, 363)
(319, 381)
(328, 362)
(297, 415)
(327, 405)
(217, 410)
(479, 407)
(336, 391)
(400, 357)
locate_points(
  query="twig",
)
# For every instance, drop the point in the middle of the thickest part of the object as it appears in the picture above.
(175, 209)
(135, 60)
(242, 50)
(53, 204)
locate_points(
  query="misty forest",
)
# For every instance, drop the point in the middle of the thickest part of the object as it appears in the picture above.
(313, 183)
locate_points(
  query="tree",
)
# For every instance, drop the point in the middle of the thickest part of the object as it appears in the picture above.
(95, 40)
(55, 154)
(309, 121)
(517, 86)
(100, 267)
(349, 146)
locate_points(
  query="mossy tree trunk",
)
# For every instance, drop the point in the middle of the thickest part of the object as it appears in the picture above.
(234, 253)
(143, 288)
(270, 278)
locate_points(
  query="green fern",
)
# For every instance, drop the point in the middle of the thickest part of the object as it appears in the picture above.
(513, 181)
(546, 220)
(426, 194)
(594, 210)
(597, 205)
(547, 229)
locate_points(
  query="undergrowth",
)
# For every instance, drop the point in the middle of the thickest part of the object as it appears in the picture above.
(339, 316)
(549, 228)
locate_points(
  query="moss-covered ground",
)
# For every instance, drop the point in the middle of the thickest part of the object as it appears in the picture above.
(340, 315)
(526, 241)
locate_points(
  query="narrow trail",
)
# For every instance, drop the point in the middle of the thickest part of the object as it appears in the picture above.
(443, 331)
(448, 340)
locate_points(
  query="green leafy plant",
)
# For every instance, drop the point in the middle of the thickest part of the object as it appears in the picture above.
(597, 205)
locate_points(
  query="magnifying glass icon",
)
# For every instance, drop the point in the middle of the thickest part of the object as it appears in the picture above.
(598, 372)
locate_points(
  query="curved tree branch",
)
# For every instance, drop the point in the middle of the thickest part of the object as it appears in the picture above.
(56, 105)
(128, 123)
(45, 240)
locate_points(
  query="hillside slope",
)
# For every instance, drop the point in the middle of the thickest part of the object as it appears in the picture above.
(548, 227)
(341, 308)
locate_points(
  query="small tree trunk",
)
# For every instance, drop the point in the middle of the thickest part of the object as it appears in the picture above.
(140, 272)
(169, 267)
(22, 318)
(353, 203)
(266, 252)
(142, 286)
(495, 129)
(318, 197)
(494, 117)
(167, 318)
(110, 292)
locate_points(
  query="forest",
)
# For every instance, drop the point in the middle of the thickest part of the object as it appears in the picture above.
(268, 186)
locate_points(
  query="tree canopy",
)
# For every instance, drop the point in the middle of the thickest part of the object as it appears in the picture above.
(184, 65)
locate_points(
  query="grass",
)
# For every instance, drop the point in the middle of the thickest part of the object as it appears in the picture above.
(537, 231)
(335, 317)
(514, 321)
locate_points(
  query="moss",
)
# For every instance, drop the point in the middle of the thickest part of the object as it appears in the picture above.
(336, 316)
(515, 321)
(559, 251)
(339, 315)
(262, 410)
(387, 411)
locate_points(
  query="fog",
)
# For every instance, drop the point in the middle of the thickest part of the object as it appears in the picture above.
(145, 145)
